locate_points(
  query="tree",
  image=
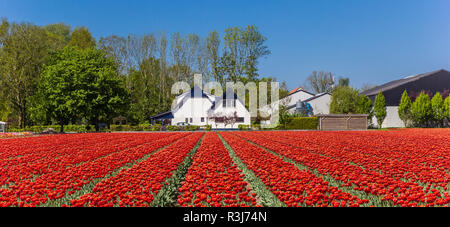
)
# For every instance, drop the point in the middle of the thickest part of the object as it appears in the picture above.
(344, 81)
(241, 53)
(60, 34)
(404, 109)
(320, 82)
(380, 108)
(446, 108)
(81, 82)
(365, 106)
(344, 100)
(254, 46)
(421, 110)
(437, 105)
(23, 51)
(82, 38)
(212, 50)
(60, 92)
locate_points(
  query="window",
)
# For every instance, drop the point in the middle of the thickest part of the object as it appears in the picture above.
(240, 119)
(224, 103)
(187, 120)
(190, 120)
(202, 119)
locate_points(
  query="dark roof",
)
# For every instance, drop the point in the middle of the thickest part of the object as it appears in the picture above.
(437, 81)
(196, 91)
(165, 115)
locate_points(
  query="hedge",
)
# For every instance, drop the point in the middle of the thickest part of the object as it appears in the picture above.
(191, 128)
(310, 123)
(156, 127)
(57, 128)
(172, 128)
(243, 127)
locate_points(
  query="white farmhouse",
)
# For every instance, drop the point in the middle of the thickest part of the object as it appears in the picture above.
(197, 107)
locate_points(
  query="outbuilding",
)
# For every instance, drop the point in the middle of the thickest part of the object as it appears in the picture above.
(2, 126)
(342, 121)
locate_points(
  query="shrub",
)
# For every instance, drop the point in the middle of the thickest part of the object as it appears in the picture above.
(172, 128)
(115, 128)
(156, 127)
(208, 127)
(256, 127)
(191, 128)
(404, 109)
(310, 123)
(437, 106)
(243, 127)
(421, 110)
(447, 108)
(379, 108)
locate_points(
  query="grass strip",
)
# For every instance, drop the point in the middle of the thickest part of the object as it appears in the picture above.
(267, 198)
(373, 199)
(87, 188)
(167, 196)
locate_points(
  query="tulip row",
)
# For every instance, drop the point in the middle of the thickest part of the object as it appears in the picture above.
(214, 180)
(394, 153)
(61, 179)
(345, 162)
(138, 185)
(53, 158)
(291, 185)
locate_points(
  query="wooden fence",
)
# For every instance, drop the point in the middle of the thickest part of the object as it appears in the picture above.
(342, 121)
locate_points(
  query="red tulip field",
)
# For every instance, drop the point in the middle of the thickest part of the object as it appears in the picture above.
(404, 167)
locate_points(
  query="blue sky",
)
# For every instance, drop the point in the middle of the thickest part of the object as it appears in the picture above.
(369, 41)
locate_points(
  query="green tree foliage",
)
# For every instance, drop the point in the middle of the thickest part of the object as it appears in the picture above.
(421, 110)
(23, 51)
(241, 53)
(404, 109)
(60, 34)
(344, 81)
(146, 93)
(364, 106)
(437, 105)
(345, 100)
(446, 108)
(82, 38)
(212, 48)
(81, 83)
(380, 108)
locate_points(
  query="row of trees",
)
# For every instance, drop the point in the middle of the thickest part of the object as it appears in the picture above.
(58, 74)
(423, 112)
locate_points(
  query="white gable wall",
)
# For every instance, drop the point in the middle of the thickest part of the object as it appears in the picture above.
(297, 96)
(240, 109)
(194, 108)
(321, 105)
